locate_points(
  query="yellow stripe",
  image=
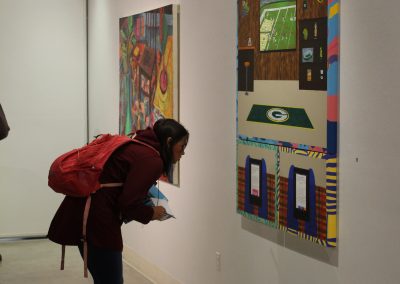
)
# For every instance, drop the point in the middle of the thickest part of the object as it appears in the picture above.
(334, 10)
(332, 160)
(331, 169)
(331, 226)
(331, 184)
(316, 155)
(332, 244)
(330, 191)
(331, 177)
(282, 149)
(301, 152)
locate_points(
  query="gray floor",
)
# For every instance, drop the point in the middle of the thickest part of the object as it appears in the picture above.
(38, 261)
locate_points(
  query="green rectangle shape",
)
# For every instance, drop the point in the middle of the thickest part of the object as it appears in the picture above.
(288, 116)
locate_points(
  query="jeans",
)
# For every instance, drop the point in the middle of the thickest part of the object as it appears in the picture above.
(104, 265)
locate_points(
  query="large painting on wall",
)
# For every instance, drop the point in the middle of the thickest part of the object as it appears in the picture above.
(287, 106)
(148, 57)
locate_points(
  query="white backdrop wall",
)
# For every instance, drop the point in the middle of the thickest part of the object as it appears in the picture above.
(204, 204)
(43, 93)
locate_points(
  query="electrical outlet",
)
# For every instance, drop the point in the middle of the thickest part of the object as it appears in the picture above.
(218, 260)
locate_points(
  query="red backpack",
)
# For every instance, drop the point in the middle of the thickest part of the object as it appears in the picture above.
(76, 173)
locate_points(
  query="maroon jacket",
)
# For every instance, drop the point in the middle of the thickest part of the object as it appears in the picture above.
(138, 167)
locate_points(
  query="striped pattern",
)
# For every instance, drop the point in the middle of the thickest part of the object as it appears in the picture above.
(277, 183)
(259, 145)
(331, 199)
(271, 189)
(256, 218)
(333, 75)
(304, 236)
(283, 200)
(311, 154)
(259, 140)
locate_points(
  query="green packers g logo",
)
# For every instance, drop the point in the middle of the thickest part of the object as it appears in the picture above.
(277, 115)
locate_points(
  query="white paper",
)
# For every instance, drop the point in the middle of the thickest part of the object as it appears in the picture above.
(163, 203)
(255, 180)
(301, 192)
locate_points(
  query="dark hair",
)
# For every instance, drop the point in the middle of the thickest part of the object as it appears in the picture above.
(165, 128)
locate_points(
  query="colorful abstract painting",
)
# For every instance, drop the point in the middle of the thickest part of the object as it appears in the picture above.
(148, 57)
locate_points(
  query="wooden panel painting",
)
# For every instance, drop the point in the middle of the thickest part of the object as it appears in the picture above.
(148, 57)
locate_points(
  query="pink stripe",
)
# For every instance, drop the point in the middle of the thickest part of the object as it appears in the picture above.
(316, 149)
(333, 48)
(332, 108)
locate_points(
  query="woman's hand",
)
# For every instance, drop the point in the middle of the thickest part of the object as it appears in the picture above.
(158, 212)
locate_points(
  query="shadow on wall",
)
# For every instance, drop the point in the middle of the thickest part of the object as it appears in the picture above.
(304, 247)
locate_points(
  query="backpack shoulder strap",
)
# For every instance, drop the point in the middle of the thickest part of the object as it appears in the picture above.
(133, 135)
(115, 184)
(147, 145)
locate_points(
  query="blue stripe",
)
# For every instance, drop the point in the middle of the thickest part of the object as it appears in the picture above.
(248, 207)
(291, 220)
(332, 138)
(263, 210)
(333, 80)
(333, 27)
(329, 156)
(311, 225)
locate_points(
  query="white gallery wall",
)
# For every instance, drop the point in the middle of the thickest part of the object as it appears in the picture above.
(43, 93)
(185, 249)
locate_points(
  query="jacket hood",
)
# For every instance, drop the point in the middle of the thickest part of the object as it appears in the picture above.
(148, 136)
